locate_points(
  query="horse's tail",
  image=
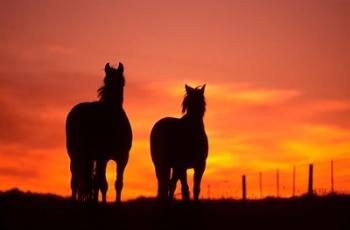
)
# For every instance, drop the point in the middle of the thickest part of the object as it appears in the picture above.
(72, 133)
(161, 140)
(74, 140)
(79, 167)
(160, 159)
(155, 144)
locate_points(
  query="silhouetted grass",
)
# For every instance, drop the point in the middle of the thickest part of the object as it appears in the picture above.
(44, 211)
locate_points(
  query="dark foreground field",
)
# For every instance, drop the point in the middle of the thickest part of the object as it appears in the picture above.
(31, 211)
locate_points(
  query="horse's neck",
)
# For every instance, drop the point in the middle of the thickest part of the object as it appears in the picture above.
(193, 121)
(112, 107)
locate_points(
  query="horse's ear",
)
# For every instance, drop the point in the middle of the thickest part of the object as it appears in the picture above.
(120, 68)
(107, 68)
(189, 89)
(202, 89)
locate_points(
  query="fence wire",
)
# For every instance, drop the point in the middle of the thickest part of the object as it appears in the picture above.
(331, 176)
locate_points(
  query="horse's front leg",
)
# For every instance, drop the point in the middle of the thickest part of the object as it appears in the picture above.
(184, 186)
(119, 182)
(198, 173)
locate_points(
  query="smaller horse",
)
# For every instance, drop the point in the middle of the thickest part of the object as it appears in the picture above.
(179, 144)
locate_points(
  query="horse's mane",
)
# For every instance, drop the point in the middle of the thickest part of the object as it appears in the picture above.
(194, 100)
(112, 88)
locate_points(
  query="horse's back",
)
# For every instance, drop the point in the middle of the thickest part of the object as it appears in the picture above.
(95, 131)
(176, 143)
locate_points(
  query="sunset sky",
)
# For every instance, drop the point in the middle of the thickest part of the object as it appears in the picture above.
(277, 75)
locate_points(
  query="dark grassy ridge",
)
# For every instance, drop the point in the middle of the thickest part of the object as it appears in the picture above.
(38, 211)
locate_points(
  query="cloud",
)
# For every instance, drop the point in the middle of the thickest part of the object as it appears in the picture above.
(34, 106)
(18, 172)
(252, 95)
(318, 142)
(61, 49)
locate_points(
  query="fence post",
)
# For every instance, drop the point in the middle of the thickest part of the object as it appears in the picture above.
(332, 177)
(244, 188)
(278, 182)
(311, 169)
(260, 185)
(293, 181)
(208, 191)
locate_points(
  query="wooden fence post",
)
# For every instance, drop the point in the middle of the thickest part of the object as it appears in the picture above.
(332, 177)
(311, 190)
(208, 191)
(278, 182)
(260, 185)
(244, 189)
(293, 193)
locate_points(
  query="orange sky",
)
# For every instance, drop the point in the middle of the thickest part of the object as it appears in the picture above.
(277, 75)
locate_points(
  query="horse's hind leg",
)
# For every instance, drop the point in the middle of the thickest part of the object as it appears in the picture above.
(119, 182)
(86, 181)
(172, 183)
(74, 180)
(100, 180)
(198, 173)
(163, 175)
(74, 186)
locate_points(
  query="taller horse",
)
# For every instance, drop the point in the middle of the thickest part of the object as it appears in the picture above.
(178, 144)
(97, 132)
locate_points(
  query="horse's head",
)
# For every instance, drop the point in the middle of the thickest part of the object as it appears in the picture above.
(194, 101)
(112, 90)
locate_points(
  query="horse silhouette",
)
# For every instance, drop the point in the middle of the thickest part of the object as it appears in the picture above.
(178, 144)
(97, 132)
